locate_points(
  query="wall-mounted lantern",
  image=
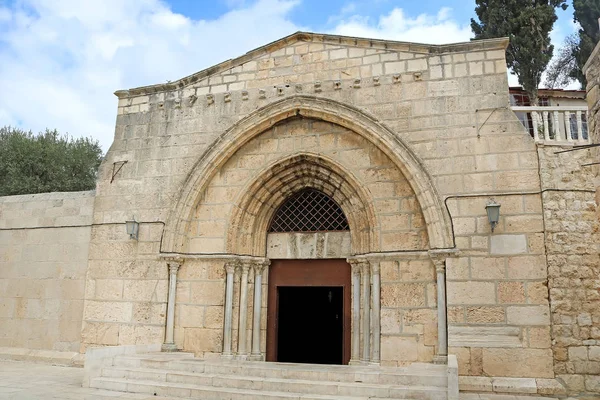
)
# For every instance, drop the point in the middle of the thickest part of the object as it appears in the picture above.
(493, 213)
(133, 228)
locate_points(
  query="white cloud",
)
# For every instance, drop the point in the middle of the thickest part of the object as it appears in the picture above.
(425, 28)
(61, 60)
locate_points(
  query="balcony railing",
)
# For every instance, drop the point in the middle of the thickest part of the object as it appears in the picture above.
(555, 125)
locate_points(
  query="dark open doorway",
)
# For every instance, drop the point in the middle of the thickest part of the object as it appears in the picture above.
(299, 312)
(310, 325)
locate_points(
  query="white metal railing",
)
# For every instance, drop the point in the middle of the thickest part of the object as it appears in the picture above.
(560, 125)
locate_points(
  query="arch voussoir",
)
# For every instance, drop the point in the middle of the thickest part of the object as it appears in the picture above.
(227, 144)
(278, 182)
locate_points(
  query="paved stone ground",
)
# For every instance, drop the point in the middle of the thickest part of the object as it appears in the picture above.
(30, 381)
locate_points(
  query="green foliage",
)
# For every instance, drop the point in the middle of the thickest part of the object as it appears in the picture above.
(527, 23)
(560, 71)
(586, 12)
(577, 48)
(46, 162)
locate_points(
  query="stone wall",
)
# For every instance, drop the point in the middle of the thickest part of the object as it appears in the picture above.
(44, 240)
(407, 287)
(447, 105)
(572, 238)
(497, 295)
(592, 73)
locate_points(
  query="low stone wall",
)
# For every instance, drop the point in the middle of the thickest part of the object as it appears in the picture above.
(44, 240)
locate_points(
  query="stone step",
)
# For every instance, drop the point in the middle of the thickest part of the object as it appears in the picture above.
(187, 390)
(278, 384)
(415, 374)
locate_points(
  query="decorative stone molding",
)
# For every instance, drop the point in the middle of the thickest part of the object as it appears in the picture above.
(434, 212)
(317, 87)
(270, 189)
(387, 45)
(210, 99)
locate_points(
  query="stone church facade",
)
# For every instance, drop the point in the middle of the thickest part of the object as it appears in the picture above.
(403, 145)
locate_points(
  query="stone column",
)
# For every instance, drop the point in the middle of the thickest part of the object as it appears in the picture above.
(366, 317)
(258, 272)
(230, 269)
(440, 268)
(355, 357)
(242, 328)
(169, 344)
(376, 293)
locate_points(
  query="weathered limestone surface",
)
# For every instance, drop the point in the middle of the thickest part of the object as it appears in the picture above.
(412, 141)
(592, 74)
(445, 104)
(44, 240)
(572, 239)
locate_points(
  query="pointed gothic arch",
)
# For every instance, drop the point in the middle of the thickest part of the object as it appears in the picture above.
(436, 216)
(253, 212)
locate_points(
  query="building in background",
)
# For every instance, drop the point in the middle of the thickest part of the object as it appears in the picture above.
(563, 109)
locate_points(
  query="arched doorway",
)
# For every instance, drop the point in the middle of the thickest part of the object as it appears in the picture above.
(230, 210)
(309, 315)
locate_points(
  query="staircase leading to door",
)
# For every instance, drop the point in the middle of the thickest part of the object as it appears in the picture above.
(182, 375)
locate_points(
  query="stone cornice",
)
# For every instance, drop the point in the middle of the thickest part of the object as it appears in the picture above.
(181, 257)
(431, 49)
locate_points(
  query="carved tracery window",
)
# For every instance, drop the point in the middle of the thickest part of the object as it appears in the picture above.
(309, 210)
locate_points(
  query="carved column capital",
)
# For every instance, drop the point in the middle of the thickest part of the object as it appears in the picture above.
(173, 268)
(174, 263)
(439, 256)
(354, 265)
(365, 266)
(440, 265)
(231, 266)
(245, 266)
(259, 266)
(375, 268)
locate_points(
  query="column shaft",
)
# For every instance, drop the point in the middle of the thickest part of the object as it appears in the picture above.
(242, 327)
(230, 269)
(441, 308)
(355, 357)
(376, 277)
(366, 317)
(169, 344)
(258, 271)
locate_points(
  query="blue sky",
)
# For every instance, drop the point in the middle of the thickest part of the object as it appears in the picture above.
(61, 60)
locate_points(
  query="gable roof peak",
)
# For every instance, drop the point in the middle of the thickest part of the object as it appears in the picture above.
(300, 36)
